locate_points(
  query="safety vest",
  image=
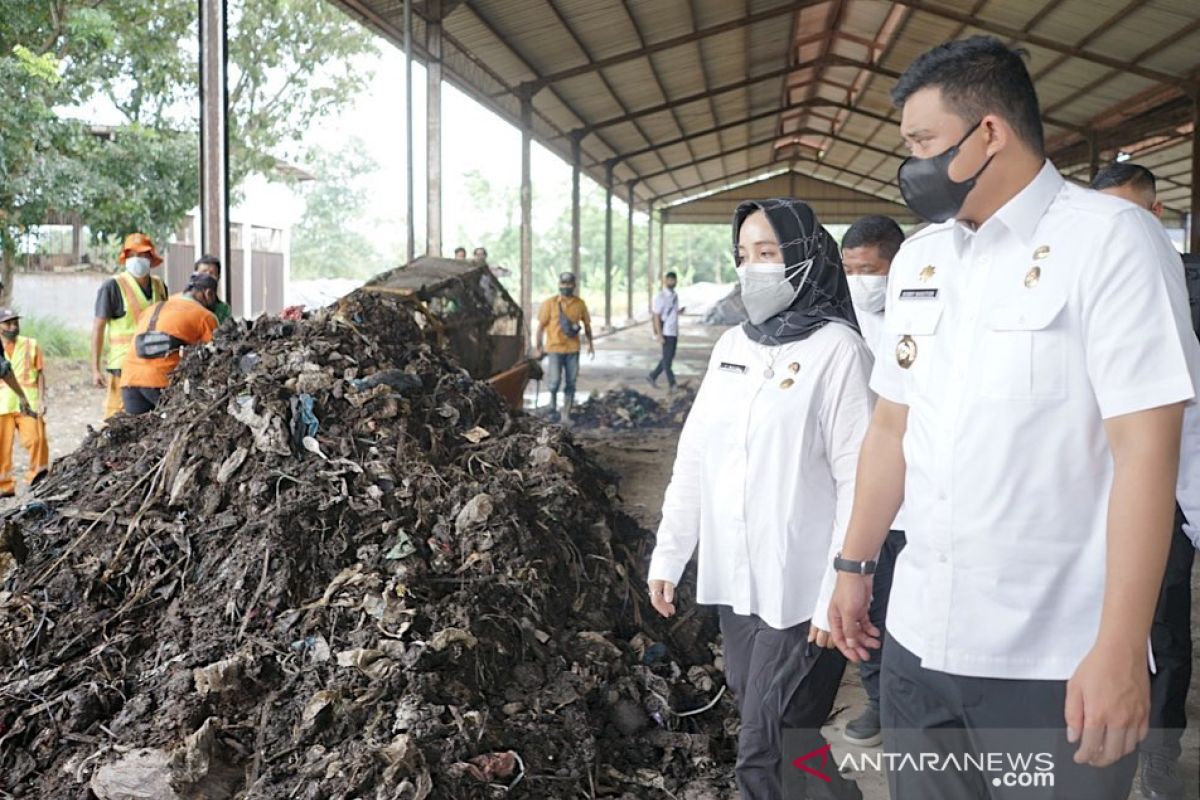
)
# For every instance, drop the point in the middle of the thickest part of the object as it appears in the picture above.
(24, 366)
(119, 332)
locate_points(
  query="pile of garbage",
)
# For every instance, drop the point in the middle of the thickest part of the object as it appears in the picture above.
(332, 565)
(627, 408)
(729, 310)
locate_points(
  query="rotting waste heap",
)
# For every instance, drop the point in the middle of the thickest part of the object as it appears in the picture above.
(332, 565)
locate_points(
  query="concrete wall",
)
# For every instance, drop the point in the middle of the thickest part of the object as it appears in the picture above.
(69, 298)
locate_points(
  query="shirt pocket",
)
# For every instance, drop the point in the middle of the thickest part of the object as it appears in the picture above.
(1023, 351)
(911, 332)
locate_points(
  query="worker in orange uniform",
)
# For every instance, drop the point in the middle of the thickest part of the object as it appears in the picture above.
(120, 303)
(25, 357)
(182, 321)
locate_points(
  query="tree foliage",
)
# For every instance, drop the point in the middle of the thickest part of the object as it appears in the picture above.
(333, 238)
(291, 62)
(695, 252)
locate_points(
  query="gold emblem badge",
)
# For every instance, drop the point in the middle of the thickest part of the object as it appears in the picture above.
(928, 273)
(794, 367)
(1033, 277)
(906, 352)
(786, 383)
(1041, 252)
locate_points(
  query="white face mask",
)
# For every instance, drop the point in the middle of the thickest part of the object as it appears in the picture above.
(766, 290)
(137, 266)
(869, 292)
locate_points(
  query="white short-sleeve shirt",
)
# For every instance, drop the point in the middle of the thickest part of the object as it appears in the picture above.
(763, 481)
(666, 306)
(1065, 308)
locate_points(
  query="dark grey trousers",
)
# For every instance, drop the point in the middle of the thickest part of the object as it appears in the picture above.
(929, 712)
(1171, 640)
(780, 682)
(881, 585)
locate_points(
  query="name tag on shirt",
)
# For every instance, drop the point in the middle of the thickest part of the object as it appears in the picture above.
(737, 369)
(918, 294)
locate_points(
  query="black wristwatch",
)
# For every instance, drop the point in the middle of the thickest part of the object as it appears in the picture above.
(857, 567)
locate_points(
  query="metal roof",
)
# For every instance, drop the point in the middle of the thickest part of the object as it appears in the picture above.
(682, 97)
(835, 204)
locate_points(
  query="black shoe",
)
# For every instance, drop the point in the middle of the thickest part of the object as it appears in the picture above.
(6, 495)
(1158, 779)
(653, 381)
(864, 731)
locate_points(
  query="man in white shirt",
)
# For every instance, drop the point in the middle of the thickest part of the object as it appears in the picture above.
(1029, 420)
(868, 248)
(1171, 631)
(664, 314)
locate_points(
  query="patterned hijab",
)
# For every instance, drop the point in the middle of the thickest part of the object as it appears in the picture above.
(824, 294)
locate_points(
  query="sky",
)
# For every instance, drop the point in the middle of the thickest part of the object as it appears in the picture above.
(473, 138)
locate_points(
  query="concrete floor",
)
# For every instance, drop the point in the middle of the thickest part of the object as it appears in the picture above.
(644, 459)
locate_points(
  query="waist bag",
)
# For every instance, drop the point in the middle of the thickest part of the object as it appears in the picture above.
(155, 343)
(569, 328)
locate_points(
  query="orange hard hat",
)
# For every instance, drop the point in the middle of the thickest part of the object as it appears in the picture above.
(137, 243)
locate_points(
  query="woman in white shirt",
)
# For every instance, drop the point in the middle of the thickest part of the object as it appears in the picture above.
(763, 484)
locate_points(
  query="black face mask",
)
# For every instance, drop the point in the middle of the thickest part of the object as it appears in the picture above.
(566, 291)
(927, 187)
(10, 335)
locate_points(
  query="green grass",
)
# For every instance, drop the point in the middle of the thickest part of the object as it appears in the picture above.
(57, 340)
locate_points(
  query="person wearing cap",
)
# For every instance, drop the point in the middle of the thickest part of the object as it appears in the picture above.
(211, 265)
(120, 303)
(560, 321)
(25, 359)
(184, 320)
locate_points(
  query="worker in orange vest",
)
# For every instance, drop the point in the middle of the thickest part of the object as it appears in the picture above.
(184, 320)
(120, 303)
(25, 357)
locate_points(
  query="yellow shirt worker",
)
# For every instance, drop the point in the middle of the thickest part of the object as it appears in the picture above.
(561, 319)
(25, 356)
(120, 303)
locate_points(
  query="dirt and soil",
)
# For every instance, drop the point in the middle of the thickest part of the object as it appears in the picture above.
(641, 460)
(331, 565)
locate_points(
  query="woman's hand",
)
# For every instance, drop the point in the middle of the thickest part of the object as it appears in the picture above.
(819, 637)
(662, 597)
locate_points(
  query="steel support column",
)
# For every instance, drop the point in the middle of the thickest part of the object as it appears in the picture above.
(629, 257)
(1194, 244)
(576, 162)
(433, 130)
(662, 242)
(526, 212)
(410, 207)
(1093, 156)
(214, 139)
(608, 248)
(650, 257)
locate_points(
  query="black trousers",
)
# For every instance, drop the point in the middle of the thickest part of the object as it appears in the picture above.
(779, 682)
(927, 712)
(1171, 641)
(139, 400)
(669, 343)
(885, 569)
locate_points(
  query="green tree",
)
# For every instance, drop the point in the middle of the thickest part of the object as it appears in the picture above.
(329, 241)
(291, 62)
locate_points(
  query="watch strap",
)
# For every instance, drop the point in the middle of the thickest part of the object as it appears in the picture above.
(857, 567)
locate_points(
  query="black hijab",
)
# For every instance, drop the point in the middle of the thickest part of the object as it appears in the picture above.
(824, 295)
